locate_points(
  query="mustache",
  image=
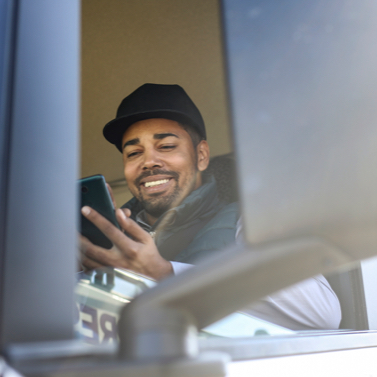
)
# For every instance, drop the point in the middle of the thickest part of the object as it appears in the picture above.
(149, 173)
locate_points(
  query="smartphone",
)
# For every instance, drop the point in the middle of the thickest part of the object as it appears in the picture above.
(95, 194)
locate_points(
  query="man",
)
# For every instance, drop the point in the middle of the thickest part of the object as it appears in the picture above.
(176, 214)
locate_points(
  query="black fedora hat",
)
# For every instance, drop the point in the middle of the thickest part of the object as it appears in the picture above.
(154, 101)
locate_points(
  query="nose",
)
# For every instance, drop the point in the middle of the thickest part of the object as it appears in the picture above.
(151, 160)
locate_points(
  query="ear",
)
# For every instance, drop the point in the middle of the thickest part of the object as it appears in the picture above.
(202, 153)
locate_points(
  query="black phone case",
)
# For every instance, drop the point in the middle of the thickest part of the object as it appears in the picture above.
(95, 194)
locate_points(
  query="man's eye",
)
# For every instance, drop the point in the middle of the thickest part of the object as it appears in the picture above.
(167, 147)
(132, 154)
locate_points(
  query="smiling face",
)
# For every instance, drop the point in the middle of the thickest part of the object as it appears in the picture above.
(161, 165)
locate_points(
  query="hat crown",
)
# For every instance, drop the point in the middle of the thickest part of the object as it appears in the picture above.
(154, 101)
(152, 97)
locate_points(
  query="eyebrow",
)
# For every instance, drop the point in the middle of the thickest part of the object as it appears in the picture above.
(131, 142)
(162, 136)
(155, 136)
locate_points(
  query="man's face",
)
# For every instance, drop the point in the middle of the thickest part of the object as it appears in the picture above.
(161, 166)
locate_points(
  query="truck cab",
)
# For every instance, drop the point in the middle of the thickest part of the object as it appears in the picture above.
(297, 84)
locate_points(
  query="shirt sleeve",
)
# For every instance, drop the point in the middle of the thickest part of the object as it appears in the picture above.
(310, 304)
(179, 267)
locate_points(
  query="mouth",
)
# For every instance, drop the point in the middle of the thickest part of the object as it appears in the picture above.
(155, 184)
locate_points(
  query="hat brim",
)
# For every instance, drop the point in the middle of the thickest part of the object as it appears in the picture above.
(115, 129)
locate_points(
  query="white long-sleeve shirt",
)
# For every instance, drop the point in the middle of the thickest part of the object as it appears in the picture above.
(310, 304)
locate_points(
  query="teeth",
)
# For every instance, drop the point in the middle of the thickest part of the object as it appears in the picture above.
(155, 183)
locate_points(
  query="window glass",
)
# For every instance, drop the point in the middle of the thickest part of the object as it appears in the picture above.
(125, 45)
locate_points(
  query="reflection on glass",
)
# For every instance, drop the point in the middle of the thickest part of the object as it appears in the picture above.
(101, 294)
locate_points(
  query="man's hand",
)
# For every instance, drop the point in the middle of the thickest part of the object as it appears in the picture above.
(138, 254)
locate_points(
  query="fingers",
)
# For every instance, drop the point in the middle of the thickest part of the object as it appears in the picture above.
(126, 211)
(89, 264)
(132, 228)
(86, 250)
(117, 237)
(94, 256)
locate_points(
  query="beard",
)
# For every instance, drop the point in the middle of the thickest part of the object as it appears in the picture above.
(157, 204)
